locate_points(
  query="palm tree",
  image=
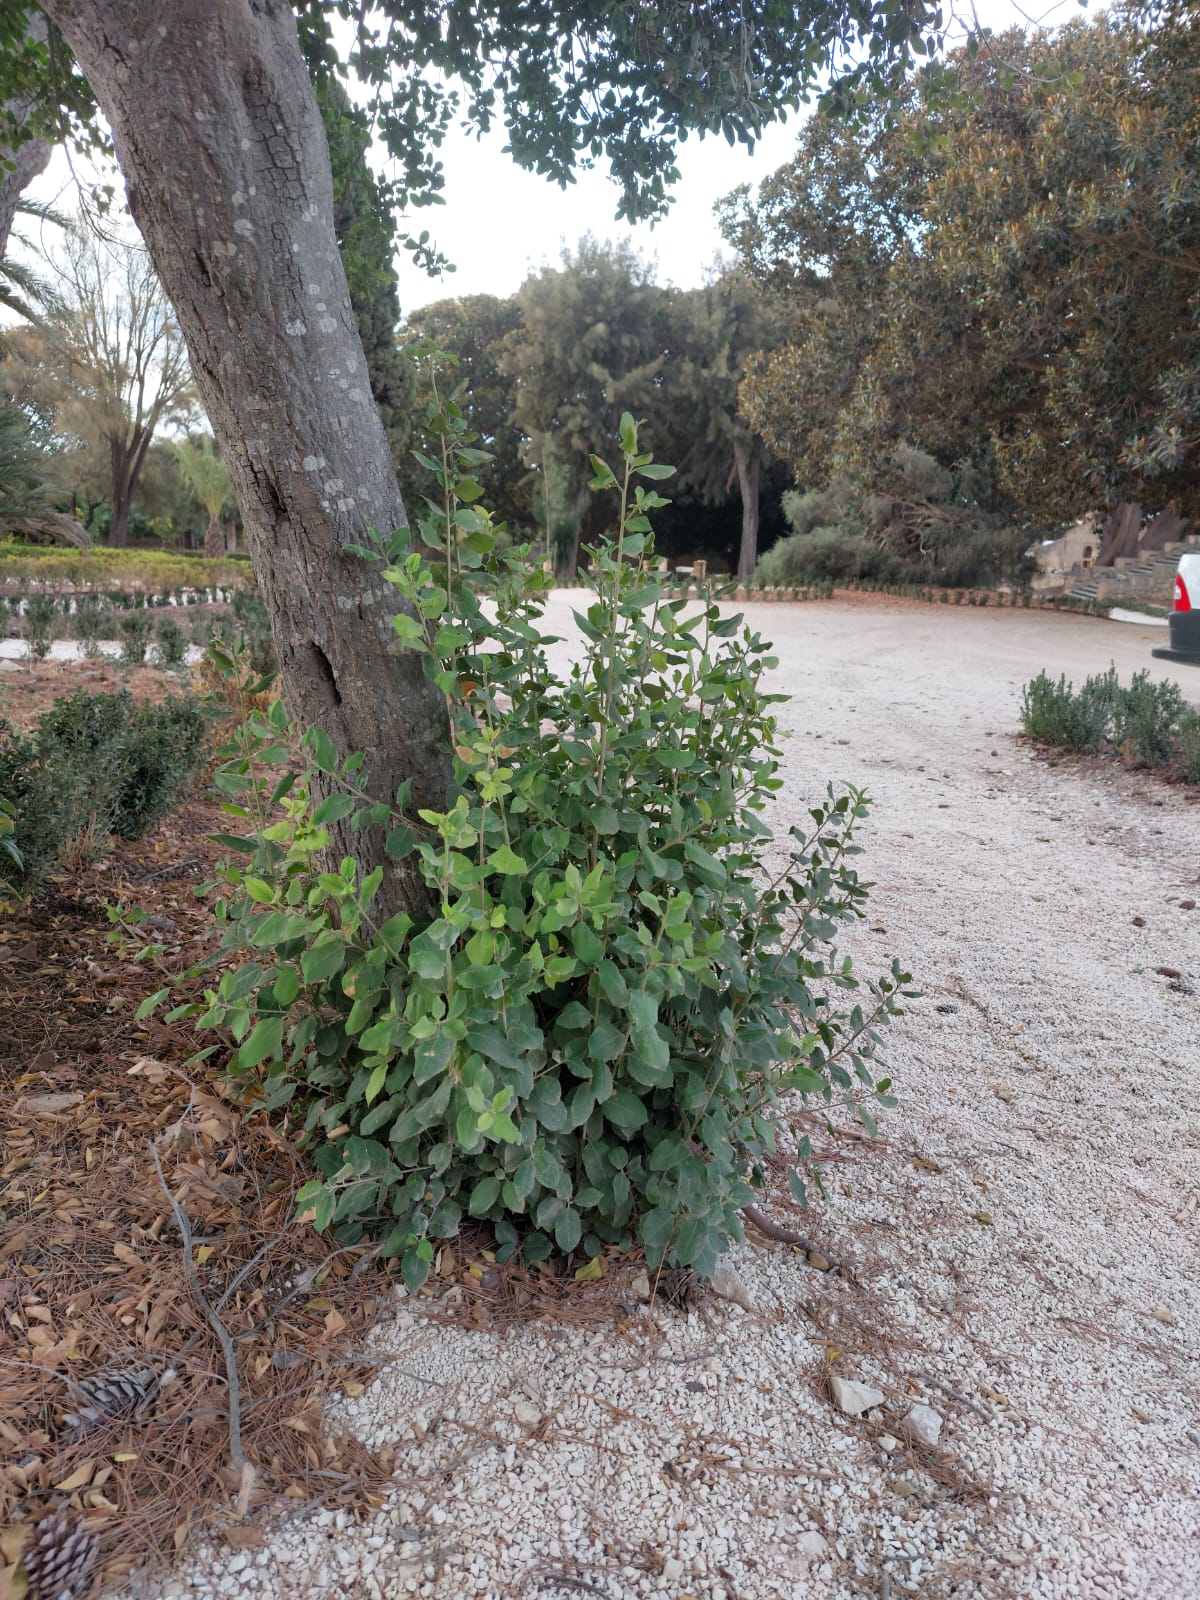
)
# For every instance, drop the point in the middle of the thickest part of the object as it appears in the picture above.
(25, 496)
(21, 289)
(207, 476)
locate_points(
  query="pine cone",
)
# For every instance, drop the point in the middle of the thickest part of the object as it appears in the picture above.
(124, 1392)
(60, 1558)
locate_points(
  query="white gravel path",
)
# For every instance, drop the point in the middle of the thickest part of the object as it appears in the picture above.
(1025, 1233)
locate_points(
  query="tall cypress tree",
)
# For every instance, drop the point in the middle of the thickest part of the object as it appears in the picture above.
(364, 221)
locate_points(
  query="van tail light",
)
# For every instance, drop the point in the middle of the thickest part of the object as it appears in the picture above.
(1182, 599)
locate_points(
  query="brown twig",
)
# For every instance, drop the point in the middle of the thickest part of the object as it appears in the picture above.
(182, 1222)
(776, 1230)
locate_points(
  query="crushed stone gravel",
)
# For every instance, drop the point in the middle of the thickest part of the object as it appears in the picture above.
(1024, 1233)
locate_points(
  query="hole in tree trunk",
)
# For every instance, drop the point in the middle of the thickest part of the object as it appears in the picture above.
(325, 672)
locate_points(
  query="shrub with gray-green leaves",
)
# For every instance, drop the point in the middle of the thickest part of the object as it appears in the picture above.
(595, 1031)
(1149, 723)
(1055, 714)
(1146, 719)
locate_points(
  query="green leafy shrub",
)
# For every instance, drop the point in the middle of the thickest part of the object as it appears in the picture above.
(135, 637)
(97, 764)
(1054, 714)
(171, 642)
(10, 853)
(1146, 719)
(583, 1030)
(41, 624)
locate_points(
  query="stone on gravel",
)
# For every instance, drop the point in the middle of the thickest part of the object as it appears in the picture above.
(852, 1399)
(922, 1425)
(728, 1285)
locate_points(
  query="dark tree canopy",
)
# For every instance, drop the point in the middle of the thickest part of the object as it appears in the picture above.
(1010, 269)
(571, 83)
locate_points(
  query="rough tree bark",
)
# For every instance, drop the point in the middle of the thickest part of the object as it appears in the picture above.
(749, 468)
(220, 140)
(214, 539)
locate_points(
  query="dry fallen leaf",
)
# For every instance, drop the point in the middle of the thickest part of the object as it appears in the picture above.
(52, 1105)
(244, 1538)
(81, 1476)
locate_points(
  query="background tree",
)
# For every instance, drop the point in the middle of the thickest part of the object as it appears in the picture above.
(476, 330)
(27, 500)
(107, 360)
(364, 223)
(592, 344)
(713, 331)
(207, 476)
(1004, 276)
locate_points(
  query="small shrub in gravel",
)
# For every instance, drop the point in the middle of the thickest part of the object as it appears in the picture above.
(93, 621)
(1146, 719)
(135, 638)
(41, 624)
(586, 1031)
(170, 642)
(1188, 747)
(1054, 714)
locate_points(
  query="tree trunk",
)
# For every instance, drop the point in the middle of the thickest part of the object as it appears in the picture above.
(122, 494)
(219, 137)
(214, 540)
(1120, 536)
(749, 467)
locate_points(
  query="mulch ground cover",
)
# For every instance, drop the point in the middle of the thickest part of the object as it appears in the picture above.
(116, 1338)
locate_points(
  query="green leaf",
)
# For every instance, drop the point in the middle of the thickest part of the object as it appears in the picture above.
(606, 1042)
(287, 985)
(264, 1044)
(400, 842)
(586, 944)
(259, 890)
(150, 1003)
(333, 808)
(625, 1111)
(324, 753)
(325, 956)
(506, 861)
(409, 629)
(612, 985)
(483, 1196)
(568, 1229)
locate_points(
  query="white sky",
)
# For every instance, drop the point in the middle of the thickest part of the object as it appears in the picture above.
(500, 222)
